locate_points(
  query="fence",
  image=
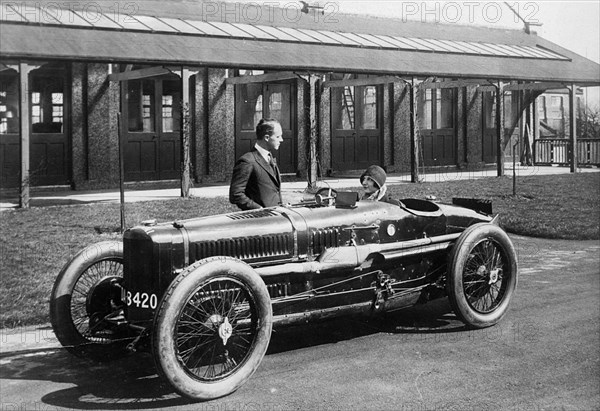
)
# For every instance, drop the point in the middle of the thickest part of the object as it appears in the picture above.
(557, 150)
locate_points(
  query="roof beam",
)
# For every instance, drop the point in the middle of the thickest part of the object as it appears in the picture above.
(533, 86)
(139, 74)
(365, 81)
(261, 78)
(454, 84)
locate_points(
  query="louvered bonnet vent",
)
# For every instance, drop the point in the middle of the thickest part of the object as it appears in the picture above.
(250, 215)
(247, 247)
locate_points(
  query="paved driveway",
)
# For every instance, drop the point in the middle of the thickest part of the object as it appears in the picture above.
(543, 355)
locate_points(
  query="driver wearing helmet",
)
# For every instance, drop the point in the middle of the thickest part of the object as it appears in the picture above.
(373, 181)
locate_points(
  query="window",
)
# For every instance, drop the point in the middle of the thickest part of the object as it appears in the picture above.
(354, 107)
(57, 107)
(370, 107)
(557, 107)
(278, 106)
(36, 108)
(141, 105)
(167, 113)
(47, 102)
(556, 101)
(251, 105)
(250, 72)
(437, 108)
(344, 97)
(171, 100)
(9, 102)
(511, 109)
(489, 109)
(445, 108)
(541, 104)
(427, 117)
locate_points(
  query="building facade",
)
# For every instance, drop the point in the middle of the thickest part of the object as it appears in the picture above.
(166, 88)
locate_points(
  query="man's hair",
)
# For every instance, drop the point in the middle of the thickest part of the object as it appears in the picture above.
(265, 126)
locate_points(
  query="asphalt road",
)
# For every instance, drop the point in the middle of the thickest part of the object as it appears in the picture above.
(545, 354)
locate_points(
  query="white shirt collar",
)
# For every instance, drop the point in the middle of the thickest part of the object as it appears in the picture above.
(263, 152)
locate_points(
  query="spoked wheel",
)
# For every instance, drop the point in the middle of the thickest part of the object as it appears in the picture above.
(86, 310)
(212, 328)
(482, 275)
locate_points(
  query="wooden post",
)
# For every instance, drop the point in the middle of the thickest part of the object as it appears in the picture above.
(414, 134)
(185, 133)
(573, 127)
(500, 158)
(314, 85)
(121, 170)
(25, 130)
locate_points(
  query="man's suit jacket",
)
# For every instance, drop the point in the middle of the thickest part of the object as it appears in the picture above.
(254, 183)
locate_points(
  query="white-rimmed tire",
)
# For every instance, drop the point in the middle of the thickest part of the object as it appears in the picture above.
(482, 275)
(212, 328)
(85, 304)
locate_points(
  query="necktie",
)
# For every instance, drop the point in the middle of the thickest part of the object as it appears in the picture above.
(273, 165)
(272, 162)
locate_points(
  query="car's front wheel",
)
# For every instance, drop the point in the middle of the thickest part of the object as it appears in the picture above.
(86, 310)
(212, 328)
(482, 275)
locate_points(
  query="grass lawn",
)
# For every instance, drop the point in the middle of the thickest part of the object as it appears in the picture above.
(36, 243)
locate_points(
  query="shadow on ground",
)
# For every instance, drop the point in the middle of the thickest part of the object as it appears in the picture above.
(132, 382)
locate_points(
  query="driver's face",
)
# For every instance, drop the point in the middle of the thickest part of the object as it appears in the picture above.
(369, 185)
(275, 139)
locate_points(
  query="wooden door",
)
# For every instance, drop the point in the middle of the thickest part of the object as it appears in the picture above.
(152, 128)
(10, 153)
(49, 111)
(267, 100)
(355, 130)
(437, 126)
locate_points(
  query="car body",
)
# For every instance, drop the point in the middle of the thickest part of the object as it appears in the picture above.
(206, 292)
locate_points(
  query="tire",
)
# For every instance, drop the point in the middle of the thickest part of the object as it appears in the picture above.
(482, 275)
(85, 304)
(212, 328)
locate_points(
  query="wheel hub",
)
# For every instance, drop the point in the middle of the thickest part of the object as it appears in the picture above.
(494, 275)
(225, 330)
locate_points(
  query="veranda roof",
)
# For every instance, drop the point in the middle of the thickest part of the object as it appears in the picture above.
(179, 33)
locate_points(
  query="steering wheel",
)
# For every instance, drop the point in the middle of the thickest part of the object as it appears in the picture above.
(325, 196)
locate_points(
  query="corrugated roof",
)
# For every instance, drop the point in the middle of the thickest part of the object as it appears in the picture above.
(50, 33)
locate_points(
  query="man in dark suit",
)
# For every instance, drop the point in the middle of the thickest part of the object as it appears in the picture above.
(256, 181)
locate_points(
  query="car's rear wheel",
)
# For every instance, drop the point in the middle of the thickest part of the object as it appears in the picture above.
(86, 310)
(482, 275)
(212, 328)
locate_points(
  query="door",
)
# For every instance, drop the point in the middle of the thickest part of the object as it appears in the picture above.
(10, 153)
(489, 147)
(266, 100)
(355, 129)
(152, 130)
(49, 145)
(438, 130)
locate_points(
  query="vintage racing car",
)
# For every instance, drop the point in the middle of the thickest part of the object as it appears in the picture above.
(203, 294)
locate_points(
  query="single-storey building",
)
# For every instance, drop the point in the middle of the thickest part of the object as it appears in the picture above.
(176, 88)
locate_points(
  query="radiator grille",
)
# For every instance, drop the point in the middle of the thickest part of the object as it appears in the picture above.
(246, 248)
(252, 214)
(323, 239)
